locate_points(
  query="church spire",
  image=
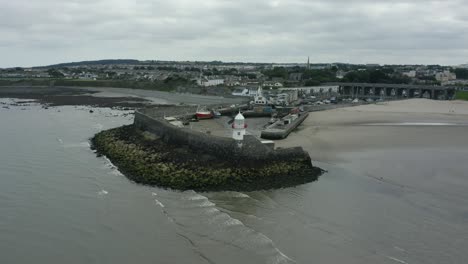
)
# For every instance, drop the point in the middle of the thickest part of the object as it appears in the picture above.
(308, 63)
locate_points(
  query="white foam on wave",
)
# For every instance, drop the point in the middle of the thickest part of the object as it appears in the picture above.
(196, 197)
(239, 195)
(109, 164)
(399, 249)
(206, 204)
(397, 260)
(211, 210)
(281, 258)
(218, 225)
(159, 203)
(103, 192)
(116, 172)
(108, 161)
(219, 217)
(233, 222)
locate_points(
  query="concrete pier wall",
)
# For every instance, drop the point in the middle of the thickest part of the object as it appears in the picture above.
(251, 150)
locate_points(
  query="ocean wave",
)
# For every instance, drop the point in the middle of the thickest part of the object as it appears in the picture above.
(110, 165)
(197, 219)
(103, 192)
(159, 203)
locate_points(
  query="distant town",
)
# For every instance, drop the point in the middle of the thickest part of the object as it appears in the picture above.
(219, 78)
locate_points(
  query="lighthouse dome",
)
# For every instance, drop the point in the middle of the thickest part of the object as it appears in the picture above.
(239, 117)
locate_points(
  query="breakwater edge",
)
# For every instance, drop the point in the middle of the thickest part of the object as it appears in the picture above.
(153, 151)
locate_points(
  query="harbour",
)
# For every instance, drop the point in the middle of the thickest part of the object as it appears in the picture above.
(233, 132)
(362, 211)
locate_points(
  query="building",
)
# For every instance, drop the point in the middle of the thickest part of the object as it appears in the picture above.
(445, 76)
(232, 83)
(272, 84)
(410, 74)
(87, 76)
(295, 76)
(238, 127)
(251, 92)
(340, 74)
(213, 82)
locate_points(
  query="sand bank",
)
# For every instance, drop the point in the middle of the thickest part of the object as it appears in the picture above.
(414, 123)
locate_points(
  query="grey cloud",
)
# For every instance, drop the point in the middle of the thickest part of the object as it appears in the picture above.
(418, 31)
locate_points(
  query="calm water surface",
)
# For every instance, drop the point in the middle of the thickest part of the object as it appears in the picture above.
(59, 203)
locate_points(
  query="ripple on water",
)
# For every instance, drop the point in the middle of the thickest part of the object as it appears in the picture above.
(198, 219)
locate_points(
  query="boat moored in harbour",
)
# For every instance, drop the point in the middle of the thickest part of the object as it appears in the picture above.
(203, 113)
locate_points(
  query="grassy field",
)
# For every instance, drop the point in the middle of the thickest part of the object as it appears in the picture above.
(461, 95)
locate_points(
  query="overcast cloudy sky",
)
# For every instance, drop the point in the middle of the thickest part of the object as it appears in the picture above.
(39, 32)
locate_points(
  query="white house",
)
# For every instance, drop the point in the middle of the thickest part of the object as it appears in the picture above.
(213, 82)
(245, 92)
(272, 84)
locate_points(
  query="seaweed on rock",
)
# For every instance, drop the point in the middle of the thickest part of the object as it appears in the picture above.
(152, 161)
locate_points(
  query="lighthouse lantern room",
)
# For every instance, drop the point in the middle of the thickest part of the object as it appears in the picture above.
(239, 127)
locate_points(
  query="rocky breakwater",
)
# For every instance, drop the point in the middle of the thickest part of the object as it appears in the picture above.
(154, 152)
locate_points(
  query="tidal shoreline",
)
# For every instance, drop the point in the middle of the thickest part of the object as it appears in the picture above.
(108, 96)
(57, 96)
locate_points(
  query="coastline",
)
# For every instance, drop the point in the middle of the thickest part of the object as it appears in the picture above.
(382, 183)
(108, 96)
(338, 136)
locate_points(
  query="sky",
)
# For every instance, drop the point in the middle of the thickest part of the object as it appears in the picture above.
(43, 32)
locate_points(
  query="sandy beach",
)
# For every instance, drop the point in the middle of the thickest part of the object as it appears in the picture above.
(329, 135)
(417, 144)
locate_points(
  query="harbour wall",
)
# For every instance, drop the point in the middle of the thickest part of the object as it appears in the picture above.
(252, 150)
(280, 133)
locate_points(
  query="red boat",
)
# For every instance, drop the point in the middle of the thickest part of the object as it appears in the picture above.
(202, 113)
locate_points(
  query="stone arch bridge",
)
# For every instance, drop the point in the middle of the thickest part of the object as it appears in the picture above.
(394, 91)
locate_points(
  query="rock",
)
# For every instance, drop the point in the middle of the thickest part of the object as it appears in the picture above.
(151, 161)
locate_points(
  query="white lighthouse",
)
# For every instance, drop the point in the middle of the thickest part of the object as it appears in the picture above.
(238, 127)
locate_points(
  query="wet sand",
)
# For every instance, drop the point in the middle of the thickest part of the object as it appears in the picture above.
(329, 135)
(415, 143)
(57, 96)
(160, 97)
(108, 97)
(404, 174)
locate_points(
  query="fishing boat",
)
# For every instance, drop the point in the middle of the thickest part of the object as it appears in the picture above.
(203, 113)
(216, 114)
